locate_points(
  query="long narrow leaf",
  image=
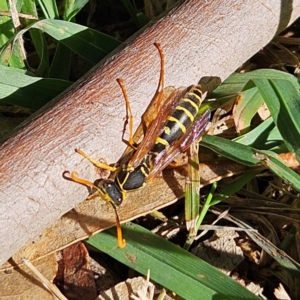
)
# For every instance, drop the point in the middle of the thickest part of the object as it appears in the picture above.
(16, 88)
(283, 100)
(240, 153)
(265, 136)
(274, 163)
(170, 266)
(236, 82)
(90, 44)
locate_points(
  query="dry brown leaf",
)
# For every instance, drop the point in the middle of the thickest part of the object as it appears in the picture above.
(75, 278)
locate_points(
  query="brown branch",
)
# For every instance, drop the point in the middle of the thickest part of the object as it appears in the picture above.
(198, 37)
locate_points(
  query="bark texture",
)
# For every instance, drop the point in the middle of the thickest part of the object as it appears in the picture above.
(210, 38)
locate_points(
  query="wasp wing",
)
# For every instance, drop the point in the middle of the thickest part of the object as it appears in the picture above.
(156, 126)
(164, 158)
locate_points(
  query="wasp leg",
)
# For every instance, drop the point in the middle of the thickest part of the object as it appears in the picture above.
(121, 241)
(129, 114)
(95, 162)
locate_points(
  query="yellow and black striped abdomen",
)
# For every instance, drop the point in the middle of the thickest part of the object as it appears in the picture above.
(181, 119)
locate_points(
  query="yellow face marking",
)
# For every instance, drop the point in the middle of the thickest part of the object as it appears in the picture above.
(182, 127)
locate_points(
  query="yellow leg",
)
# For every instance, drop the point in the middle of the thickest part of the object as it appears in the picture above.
(95, 162)
(121, 241)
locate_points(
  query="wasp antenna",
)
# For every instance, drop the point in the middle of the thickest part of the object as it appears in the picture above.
(161, 83)
(129, 114)
(74, 177)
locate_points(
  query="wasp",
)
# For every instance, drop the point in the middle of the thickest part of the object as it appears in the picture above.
(176, 126)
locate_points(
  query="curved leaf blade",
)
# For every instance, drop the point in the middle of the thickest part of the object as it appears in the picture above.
(88, 43)
(283, 101)
(174, 268)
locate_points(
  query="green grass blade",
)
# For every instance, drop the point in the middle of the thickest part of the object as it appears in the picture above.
(16, 88)
(265, 136)
(249, 102)
(8, 56)
(170, 266)
(40, 44)
(240, 153)
(49, 8)
(275, 164)
(61, 63)
(283, 101)
(89, 43)
(250, 157)
(72, 8)
(86, 42)
(233, 188)
(38, 38)
(236, 82)
(138, 18)
(192, 189)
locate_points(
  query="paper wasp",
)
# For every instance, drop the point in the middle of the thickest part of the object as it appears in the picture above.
(175, 127)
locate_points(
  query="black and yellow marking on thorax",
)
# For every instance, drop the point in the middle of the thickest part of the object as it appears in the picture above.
(128, 180)
(181, 119)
